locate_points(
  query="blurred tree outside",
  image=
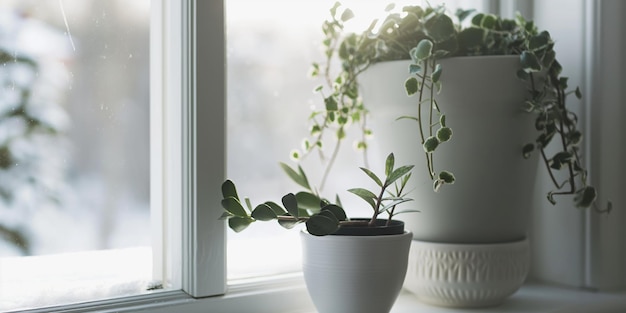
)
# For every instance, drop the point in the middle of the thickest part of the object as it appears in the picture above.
(74, 125)
(33, 129)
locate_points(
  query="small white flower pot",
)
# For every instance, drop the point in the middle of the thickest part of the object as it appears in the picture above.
(466, 275)
(355, 274)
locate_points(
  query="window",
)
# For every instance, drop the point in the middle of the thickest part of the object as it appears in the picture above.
(74, 149)
(190, 83)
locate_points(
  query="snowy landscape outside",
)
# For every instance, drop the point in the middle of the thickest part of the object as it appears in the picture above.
(74, 143)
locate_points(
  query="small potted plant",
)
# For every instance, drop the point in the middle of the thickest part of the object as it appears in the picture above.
(350, 265)
(478, 100)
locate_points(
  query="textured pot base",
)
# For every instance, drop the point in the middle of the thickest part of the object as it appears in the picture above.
(466, 275)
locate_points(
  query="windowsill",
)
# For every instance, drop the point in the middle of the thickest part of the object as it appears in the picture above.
(288, 294)
(535, 298)
(59, 279)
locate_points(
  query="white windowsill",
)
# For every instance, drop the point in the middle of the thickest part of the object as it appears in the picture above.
(289, 296)
(532, 298)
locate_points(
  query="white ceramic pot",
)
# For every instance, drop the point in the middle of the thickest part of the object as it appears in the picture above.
(482, 99)
(466, 275)
(354, 274)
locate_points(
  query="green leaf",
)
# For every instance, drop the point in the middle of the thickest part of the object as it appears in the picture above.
(411, 86)
(320, 225)
(347, 15)
(366, 195)
(423, 50)
(394, 203)
(278, 210)
(550, 197)
(389, 164)
(299, 179)
(442, 120)
(396, 174)
(585, 197)
(414, 69)
(548, 58)
(289, 224)
(463, 14)
(229, 190)
(238, 224)
(263, 212)
(440, 27)
(477, 19)
(556, 68)
(447, 177)
(233, 206)
(527, 149)
(488, 21)
(436, 73)
(528, 106)
(337, 211)
(372, 176)
(575, 137)
(530, 62)
(341, 133)
(331, 103)
(579, 94)
(472, 37)
(430, 144)
(559, 159)
(333, 10)
(226, 215)
(444, 134)
(308, 201)
(291, 204)
(539, 41)
(544, 140)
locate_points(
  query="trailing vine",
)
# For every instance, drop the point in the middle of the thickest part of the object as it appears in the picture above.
(426, 35)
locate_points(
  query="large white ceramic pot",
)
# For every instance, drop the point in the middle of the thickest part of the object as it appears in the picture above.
(490, 202)
(467, 275)
(482, 99)
(355, 274)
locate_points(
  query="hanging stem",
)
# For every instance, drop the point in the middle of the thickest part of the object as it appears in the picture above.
(419, 118)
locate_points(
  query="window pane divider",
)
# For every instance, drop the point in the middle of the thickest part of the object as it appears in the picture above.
(203, 143)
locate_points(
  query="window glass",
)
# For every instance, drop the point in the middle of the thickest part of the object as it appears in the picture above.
(270, 48)
(74, 151)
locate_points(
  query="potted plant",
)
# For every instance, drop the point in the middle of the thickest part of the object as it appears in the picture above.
(349, 265)
(497, 86)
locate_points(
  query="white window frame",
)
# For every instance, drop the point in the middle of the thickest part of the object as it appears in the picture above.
(188, 118)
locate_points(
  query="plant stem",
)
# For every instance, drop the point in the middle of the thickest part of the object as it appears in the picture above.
(379, 200)
(430, 121)
(563, 111)
(330, 163)
(419, 117)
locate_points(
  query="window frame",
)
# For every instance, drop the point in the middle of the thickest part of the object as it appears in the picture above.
(190, 161)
